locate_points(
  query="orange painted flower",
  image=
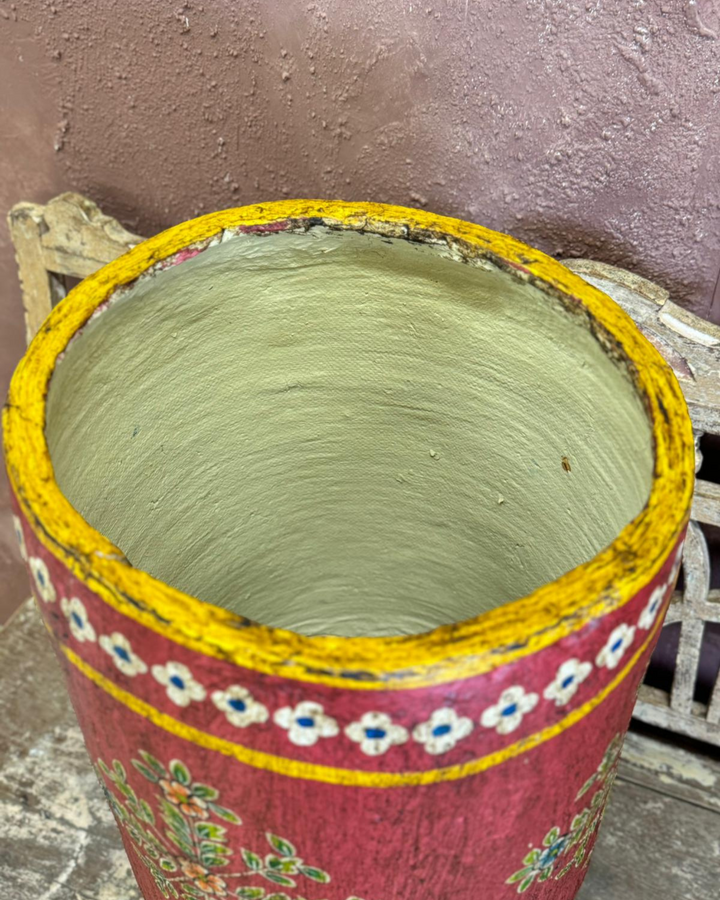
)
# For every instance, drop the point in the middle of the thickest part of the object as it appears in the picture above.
(183, 798)
(193, 870)
(212, 884)
(207, 883)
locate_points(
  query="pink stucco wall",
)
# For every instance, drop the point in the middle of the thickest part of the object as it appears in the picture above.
(585, 127)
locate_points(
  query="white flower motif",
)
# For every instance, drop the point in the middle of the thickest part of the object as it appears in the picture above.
(44, 584)
(568, 679)
(508, 712)
(616, 645)
(649, 614)
(306, 723)
(77, 617)
(181, 686)
(376, 733)
(442, 730)
(118, 647)
(239, 706)
(20, 535)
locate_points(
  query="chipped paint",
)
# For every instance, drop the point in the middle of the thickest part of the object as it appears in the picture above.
(671, 763)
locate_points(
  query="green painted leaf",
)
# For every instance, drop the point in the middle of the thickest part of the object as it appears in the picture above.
(227, 815)
(518, 876)
(205, 791)
(125, 789)
(252, 860)
(103, 768)
(153, 763)
(189, 890)
(586, 787)
(184, 846)
(174, 818)
(283, 847)
(167, 865)
(278, 878)
(551, 837)
(212, 862)
(251, 893)
(210, 847)
(119, 770)
(146, 812)
(315, 874)
(179, 772)
(545, 874)
(532, 857)
(210, 831)
(281, 896)
(525, 884)
(145, 772)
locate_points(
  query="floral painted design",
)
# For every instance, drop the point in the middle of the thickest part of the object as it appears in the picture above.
(306, 723)
(541, 862)
(76, 614)
(649, 614)
(615, 647)
(505, 715)
(20, 535)
(118, 647)
(376, 733)
(179, 683)
(442, 730)
(181, 838)
(41, 576)
(568, 679)
(239, 706)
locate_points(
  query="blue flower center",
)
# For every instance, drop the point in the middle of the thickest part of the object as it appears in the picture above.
(121, 652)
(77, 620)
(305, 722)
(237, 705)
(41, 578)
(440, 730)
(510, 710)
(177, 682)
(654, 605)
(375, 733)
(616, 646)
(566, 682)
(549, 856)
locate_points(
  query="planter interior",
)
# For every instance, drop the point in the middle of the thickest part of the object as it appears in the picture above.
(339, 433)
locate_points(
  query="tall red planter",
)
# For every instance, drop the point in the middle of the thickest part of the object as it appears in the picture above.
(244, 761)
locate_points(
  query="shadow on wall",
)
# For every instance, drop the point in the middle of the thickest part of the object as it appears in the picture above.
(567, 239)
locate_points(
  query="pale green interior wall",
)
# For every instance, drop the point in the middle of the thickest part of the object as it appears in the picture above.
(335, 433)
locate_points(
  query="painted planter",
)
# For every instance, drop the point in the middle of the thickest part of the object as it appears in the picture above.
(349, 419)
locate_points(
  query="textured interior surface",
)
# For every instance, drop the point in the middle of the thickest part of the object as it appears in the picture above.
(338, 433)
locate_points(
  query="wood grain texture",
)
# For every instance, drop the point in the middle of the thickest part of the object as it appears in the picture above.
(58, 840)
(68, 236)
(692, 347)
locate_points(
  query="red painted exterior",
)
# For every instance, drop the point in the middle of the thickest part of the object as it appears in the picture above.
(513, 827)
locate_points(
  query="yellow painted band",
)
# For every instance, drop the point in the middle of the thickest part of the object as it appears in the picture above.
(498, 637)
(294, 768)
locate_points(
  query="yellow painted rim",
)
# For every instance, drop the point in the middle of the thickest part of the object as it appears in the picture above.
(607, 582)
